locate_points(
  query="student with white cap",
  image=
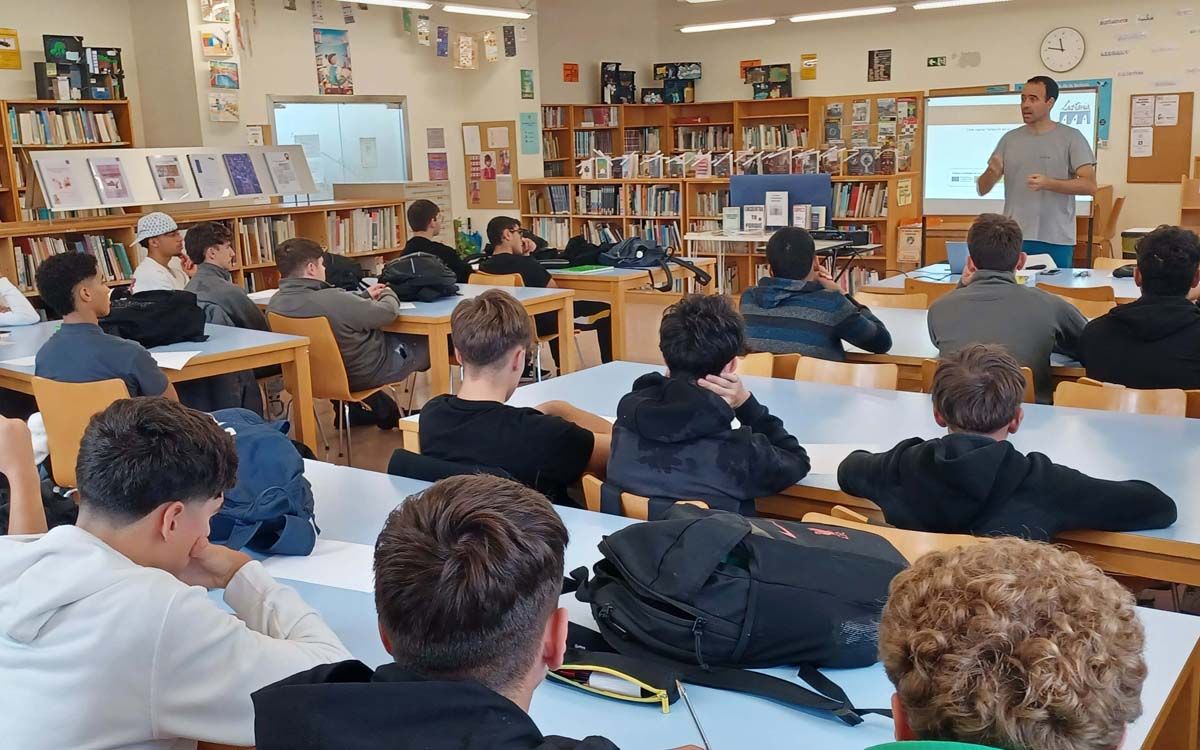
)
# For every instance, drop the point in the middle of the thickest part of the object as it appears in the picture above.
(162, 268)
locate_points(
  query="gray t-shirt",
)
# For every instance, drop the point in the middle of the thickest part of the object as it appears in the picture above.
(1043, 215)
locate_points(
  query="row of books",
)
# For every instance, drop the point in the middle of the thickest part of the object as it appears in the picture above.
(261, 236)
(599, 117)
(808, 216)
(643, 140)
(555, 169)
(362, 230)
(598, 232)
(586, 142)
(62, 127)
(29, 252)
(712, 137)
(550, 146)
(663, 234)
(711, 203)
(557, 232)
(554, 117)
(597, 200)
(654, 200)
(774, 137)
(858, 200)
(555, 200)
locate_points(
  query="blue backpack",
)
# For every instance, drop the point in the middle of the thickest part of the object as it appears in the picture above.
(270, 509)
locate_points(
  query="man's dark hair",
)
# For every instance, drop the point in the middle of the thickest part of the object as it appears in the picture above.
(700, 334)
(978, 388)
(57, 277)
(1168, 258)
(498, 226)
(1049, 83)
(421, 214)
(142, 452)
(486, 328)
(790, 253)
(466, 576)
(292, 255)
(994, 242)
(204, 235)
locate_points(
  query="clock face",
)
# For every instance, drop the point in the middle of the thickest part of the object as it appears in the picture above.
(1063, 49)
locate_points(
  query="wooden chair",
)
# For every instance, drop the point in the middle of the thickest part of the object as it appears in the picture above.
(911, 544)
(513, 280)
(760, 364)
(929, 368)
(214, 746)
(856, 374)
(1108, 215)
(1091, 293)
(1110, 264)
(329, 379)
(1193, 404)
(496, 279)
(632, 506)
(1091, 394)
(785, 366)
(933, 290)
(1090, 309)
(66, 410)
(902, 301)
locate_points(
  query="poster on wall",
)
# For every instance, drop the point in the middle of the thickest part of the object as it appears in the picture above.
(530, 135)
(439, 166)
(435, 138)
(223, 108)
(808, 67)
(526, 83)
(423, 30)
(10, 50)
(318, 11)
(223, 75)
(466, 52)
(215, 43)
(745, 65)
(334, 72)
(879, 65)
(443, 41)
(489, 165)
(491, 46)
(510, 41)
(214, 11)
(570, 72)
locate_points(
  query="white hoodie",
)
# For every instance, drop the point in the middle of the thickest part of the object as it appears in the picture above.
(99, 652)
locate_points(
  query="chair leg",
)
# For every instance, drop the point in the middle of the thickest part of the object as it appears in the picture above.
(320, 429)
(412, 393)
(578, 352)
(346, 429)
(537, 364)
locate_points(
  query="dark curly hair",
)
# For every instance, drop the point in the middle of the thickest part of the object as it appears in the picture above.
(700, 334)
(1168, 258)
(57, 277)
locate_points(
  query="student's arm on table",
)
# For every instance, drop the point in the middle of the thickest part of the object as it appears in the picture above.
(600, 428)
(15, 308)
(25, 512)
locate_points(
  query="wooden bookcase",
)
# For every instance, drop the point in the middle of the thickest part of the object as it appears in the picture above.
(706, 125)
(558, 141)
(771, 114)
(1189, 203)
(633, 213)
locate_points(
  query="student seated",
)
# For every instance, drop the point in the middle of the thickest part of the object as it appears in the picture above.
(425, 221)
(109, 620)
(548, 447)
(1011, 645)
(1153, 342)
(467, 579)
(372, 356)
(511, 253)
(801, 309)
(990, 307)
(162, 268)
(973, 481)
(15, 308)
(673, 438)
(209, 246)
(79, 352)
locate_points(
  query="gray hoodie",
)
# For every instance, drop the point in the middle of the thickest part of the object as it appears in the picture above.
(214, 285)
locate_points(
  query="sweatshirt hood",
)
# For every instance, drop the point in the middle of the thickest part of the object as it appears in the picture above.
(42, 575)
(773, 292)
(672, 410)
(1153, 318)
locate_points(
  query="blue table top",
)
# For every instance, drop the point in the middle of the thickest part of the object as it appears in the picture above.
(940, 273)
(351, 505)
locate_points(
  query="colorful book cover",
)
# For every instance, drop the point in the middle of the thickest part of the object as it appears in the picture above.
(241, 174)
(110, 179)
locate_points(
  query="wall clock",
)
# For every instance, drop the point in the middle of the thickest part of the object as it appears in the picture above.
(1063, 49)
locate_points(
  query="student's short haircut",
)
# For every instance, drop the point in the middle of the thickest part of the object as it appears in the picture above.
(790, 253)
(498, 226)
(467, 574)
(204, 235)
(292, 255)
(486, 328)
(1168, 258)
(1049, 83)
(699, 334)
(142, 452)
(57, 277)
(421, 214)
(1013, 644)
(994, 242)
(979, 388)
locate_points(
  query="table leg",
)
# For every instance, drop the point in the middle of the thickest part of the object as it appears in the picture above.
(1179, 724)
(297, 377)
(617, 303)
(566, 336)
(439, 360)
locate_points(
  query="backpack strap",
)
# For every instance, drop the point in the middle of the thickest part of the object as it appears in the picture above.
(703, 278)
(610, 499)
(668, 283)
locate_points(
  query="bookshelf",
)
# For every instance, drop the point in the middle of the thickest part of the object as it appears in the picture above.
(643, 128)
(708, 126)
(1189, 203)
(771, 124)
(557, 141)
(604, 210)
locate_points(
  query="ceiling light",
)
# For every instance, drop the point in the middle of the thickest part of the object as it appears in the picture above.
(751, 23)
(475, 10)
(935, 4)
(414, 4)
(848, 13)
(699, 1)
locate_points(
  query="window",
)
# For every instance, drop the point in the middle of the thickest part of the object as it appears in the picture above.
(346, 138)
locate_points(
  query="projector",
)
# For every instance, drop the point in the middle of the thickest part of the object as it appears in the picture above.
(853, 236)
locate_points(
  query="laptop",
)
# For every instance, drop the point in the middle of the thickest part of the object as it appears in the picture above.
(956, 256)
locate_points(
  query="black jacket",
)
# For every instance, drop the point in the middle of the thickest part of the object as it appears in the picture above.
(673, 439)
(1151, 343)
(966, 483)
(445, 253)
(347, 705)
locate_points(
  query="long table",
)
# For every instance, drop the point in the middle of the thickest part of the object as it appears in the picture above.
(352, 504)
(226, 350)
(1075, 278)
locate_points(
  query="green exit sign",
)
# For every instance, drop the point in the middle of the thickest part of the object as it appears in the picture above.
(935, 62)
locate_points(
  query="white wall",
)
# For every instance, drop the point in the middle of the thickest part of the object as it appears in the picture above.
(163, 33)
(589, 32)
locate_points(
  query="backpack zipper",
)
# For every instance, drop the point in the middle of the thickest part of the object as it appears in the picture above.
(697, 632)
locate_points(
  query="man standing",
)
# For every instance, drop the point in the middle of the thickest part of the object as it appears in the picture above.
(1044, 165)
(162, 268)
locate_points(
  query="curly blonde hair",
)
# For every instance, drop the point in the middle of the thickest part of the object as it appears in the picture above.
(1016, 645)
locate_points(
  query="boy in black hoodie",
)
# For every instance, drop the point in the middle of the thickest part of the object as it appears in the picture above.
(673, 438)
(1155, 341)
(467, 578)
(974, 481)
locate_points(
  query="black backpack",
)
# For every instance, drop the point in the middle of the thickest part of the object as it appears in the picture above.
(636, 252)
(156, 318)
(343, 272)
(419, 277)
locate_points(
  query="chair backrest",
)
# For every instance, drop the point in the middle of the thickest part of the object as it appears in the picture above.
(496, 279)
(911, 544)
(929, 369)
(848, 373)
(1109, 230)
(632, 506)
(785, 366)
(903, 301)
(329, 380)
(933, 290)
(1168, 402)
(66, 410)
(1090, 309)
(1102, 293)
(1193, 404)
(1110, 264)
(761, 364)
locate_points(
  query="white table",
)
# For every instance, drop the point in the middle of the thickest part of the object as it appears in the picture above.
(1123, 289)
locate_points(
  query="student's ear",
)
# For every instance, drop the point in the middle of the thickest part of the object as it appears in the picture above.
(1021, 261)
(1137, 277)
(1015, 424)
(517, 359)
(554, 639)
(971, 268)
(384, 639)
(729, 368)
(904, 732)
(458, 357)
(1195, 279)
(937, 417)
(169, 522)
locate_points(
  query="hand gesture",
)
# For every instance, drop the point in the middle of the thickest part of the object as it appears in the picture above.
(527, 246)
(375, 290)
(827, 281)
(996, 164)
(1037, 182)
(728, 386)
(187, 265)
(211, 565)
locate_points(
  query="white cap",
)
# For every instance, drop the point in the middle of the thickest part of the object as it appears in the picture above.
(153, 225)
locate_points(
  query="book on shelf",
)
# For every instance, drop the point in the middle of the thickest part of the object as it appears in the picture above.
(861, 162)
(112, 257)
(597, 232)
(831, 161)
(860, 200)
(779, 162)
(556, 232)
(754, 218)
(711, 202)
(806, 161)
(642, 140)
(654, 200)
(887, 161)
(702, 166)
(713, 137)
(599, 117)
(807, 216)
(722, 165)
(704, 225)
(554, 117)
(261, 235)
(549, 199)
(587, 142)
(731, 219)
(665, 234)
(549, 146)
(597, 200)
(47, 127)
(749, 162)
(770, 137)
(651, 166)
(625, 167)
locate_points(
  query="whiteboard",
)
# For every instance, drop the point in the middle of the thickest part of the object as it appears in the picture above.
(961, 134)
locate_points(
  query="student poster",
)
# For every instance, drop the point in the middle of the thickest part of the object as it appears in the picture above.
(168, 177)
(214, 11)
(334, 72)
(283, 174)
(504, 189)
(439, 166)
(504, 162)
(223, 108)
(466, 52)
(489, 165)
(61, 188)
(808, 67)
(223, 75)
(491, 46)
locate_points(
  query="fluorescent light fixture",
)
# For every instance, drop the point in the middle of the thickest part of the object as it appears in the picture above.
(747, 24)
(935, 4)
(414, 4)
(475, 10)
(693, 2)
(829, 15)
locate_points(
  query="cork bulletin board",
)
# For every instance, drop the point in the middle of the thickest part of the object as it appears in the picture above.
(490, 163)
(1160, 137)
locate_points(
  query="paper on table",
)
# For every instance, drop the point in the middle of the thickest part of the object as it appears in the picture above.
(19, 362)
(340, 565)
(407, 306)
(825, 458)
(263, 296)
(173, 360)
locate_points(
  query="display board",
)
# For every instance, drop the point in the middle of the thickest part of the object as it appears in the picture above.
(961, 134)
(1160, 137)
(490, 163)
